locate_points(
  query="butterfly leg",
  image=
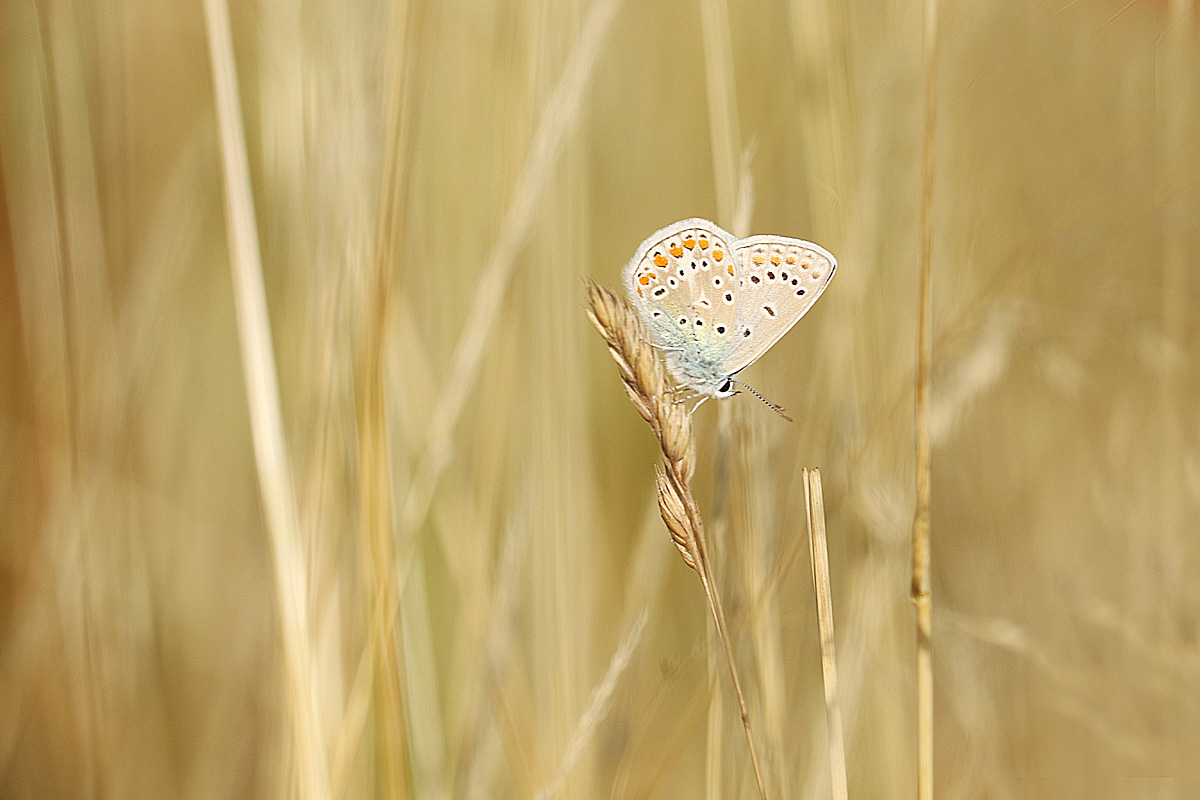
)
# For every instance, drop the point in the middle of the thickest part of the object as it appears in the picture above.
(702, 399)
(686, 398)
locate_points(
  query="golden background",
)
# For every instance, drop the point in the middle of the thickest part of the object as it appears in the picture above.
(418, 554)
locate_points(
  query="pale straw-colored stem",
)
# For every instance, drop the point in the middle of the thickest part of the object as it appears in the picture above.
(815, 503)
(585, 730)
(558, 118)
(647, 386)
(266, 419)
(921, 595)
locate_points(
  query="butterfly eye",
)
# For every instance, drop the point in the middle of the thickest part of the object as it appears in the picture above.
(727, 386)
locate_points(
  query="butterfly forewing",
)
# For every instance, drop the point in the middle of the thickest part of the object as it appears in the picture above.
(682, 282)
(778, 280)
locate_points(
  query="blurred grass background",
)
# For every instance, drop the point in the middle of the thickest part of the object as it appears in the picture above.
(470, 593)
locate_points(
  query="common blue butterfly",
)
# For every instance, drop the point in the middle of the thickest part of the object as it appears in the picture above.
(714, 303)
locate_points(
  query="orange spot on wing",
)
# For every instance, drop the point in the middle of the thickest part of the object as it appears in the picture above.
(689, 243)
(639, 291)
(660, 260)
(730, 269)
(676, 250)
(775, 260)
(791, 259)
(759, 260)
(644, 280)
(703, 243)
(718, 255)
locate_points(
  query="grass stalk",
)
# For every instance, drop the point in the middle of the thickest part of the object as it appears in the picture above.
(646, 384)
(558, 119)
(815, 503)
(720, 90)
(591, 718)
(384, 647)
(921, 595)
(266, 419)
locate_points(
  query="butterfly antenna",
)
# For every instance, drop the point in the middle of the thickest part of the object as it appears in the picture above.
(777, 409)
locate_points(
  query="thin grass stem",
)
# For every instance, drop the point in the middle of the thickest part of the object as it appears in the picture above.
(815, 503)
(646, 384)
(266, 418)
(921, 595)
(558, 118)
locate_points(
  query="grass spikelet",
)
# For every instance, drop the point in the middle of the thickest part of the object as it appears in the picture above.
(674, 515)
(646, 384)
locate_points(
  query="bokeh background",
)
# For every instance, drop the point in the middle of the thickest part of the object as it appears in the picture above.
(443, 575)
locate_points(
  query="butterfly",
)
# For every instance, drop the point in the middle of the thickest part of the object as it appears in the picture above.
(713, 303)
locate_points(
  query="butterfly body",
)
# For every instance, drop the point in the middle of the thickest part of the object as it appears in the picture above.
(714, 303)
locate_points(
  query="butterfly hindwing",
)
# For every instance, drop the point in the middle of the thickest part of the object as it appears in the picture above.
(778, 280)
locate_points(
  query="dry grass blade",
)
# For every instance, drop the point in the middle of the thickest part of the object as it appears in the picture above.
(559, 116)
(592, 716)
(266, 421)
(815, 503)
(921, 596)
(374, 452)
(720, 88)
(646, 383)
